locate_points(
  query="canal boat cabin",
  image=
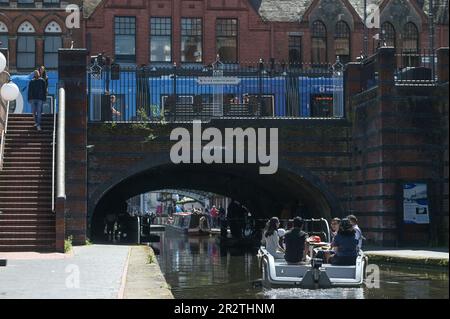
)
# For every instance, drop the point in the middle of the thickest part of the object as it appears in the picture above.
(190, 223)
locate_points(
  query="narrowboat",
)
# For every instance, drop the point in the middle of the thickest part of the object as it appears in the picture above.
(196, 224)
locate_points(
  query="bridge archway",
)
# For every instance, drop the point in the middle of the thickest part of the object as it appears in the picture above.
(264, 195)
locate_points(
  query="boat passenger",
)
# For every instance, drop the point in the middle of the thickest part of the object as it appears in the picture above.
(294, 241)
(345, 245)
(272, 240)
(358, 233)
(335, 222)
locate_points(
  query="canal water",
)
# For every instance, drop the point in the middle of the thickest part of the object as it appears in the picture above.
(197, 268)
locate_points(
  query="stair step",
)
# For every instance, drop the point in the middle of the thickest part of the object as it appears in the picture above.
(20, 193)
(36, 235)
(27, 166)
(14, 228)
(25, 199)
(27, 241)
(24, 188)
(30, 206)
(30, 151)
(29, 222)
(28, 248)
(24, 183)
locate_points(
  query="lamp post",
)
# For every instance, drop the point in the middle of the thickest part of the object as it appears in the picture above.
(431, 36)
(366, 32)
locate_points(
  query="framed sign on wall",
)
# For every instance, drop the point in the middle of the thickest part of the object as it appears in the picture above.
(415, 203)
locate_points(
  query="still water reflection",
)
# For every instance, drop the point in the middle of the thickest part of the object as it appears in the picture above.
(197, 268)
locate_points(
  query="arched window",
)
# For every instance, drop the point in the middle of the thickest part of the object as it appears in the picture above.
(410, 44)
(26, 46)
(319, 43)
(342, 41)
(388, 34)
(52, 43)
(3, 35)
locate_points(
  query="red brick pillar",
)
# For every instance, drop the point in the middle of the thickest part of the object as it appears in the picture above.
(12, 57)
(386, 68)
(39, 51)
(72, 73)
(352, 83)
(385, 193)
(442, 64)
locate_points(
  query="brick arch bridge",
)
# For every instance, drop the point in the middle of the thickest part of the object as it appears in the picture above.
(356, 164)
(122, 163)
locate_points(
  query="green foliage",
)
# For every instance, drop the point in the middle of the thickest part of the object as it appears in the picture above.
(151, 257)
(68, 244)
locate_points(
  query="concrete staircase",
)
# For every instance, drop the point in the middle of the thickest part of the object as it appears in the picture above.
(27, 222)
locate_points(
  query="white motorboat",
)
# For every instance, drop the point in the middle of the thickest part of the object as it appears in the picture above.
(312, 274)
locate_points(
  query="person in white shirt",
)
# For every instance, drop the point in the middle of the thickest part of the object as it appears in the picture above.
(271, 238)
(358, 233)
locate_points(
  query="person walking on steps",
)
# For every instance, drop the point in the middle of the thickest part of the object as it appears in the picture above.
(37, 95)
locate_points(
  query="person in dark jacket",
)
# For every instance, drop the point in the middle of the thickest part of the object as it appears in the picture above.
(43, 74)
(294, 240)
(345, 244)
(37, 95)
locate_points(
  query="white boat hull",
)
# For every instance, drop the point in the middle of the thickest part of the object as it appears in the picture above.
(278, 273)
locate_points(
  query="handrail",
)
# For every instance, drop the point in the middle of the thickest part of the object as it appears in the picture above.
(61, 146)
(3, 136)
(54, 156)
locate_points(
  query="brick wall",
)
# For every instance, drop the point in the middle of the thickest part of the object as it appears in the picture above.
(399, 137)
(72, 75)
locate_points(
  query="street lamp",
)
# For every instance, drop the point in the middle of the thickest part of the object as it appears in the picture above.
(9, 91)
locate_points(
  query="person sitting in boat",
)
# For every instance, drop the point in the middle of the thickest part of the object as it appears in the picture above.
(272, 239)
(345, 245)
(294, 241)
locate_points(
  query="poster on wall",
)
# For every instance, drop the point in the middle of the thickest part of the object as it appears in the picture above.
(415, 203)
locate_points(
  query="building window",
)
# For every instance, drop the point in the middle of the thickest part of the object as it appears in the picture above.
(26, 46)
(4, 3)
(191, 40)
(410, 47)
(52, 42)
(342, 42)
(125, 39)
(295, 50)
(227, 40)
(26, 52)
(319, 43)
(388, 34)
(25, 3)
(3, 35)
(51, 3)
(161, 39)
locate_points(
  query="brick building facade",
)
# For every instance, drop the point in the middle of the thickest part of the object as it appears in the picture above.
(185, 31)
(33, 31)
(300, 31)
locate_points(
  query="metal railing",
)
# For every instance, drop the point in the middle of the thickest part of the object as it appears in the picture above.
(54, 156)
(247, 90)
(415, 68)
(3, 136)
(61, 146)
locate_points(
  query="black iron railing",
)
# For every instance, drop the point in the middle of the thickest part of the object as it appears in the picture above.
(247, 90)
